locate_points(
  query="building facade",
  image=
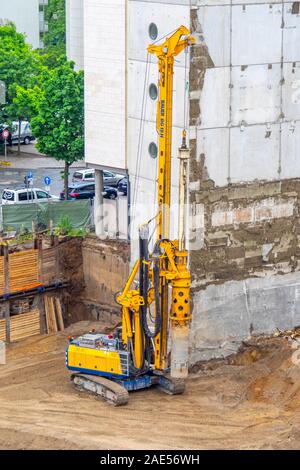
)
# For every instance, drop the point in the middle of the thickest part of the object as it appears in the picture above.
(244, 134)
(75, 32)
(28, 17)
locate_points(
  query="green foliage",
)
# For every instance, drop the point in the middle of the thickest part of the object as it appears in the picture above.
(55, 38)
(19, 64)
(26, 102)
(58, 125)
(44, 88)
(65, 228)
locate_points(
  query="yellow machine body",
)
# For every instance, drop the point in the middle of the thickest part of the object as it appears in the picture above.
(88, 360)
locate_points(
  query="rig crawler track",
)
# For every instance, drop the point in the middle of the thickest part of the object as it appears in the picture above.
(109, 390)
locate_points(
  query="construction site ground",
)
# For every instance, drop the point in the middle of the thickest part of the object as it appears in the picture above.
(249, 401)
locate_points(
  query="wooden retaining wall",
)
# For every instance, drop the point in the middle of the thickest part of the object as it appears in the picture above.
(23, 269)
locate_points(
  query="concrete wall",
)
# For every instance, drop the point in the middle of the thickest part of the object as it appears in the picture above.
(25, 15)
(105, 268)
(105, 89)
(142, 72)
(245, 89)
(75, 32)
(244, 84)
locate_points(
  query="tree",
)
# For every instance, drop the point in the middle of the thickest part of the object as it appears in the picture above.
(19, 66)
(59, 124)
(25, 106)
(55, 37)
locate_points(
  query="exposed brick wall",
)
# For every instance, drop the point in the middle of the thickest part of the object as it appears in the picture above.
(248, 230)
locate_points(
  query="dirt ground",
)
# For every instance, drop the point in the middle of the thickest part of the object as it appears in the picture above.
(250, 401)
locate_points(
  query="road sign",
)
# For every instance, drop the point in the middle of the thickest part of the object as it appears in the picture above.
(30, 175)
(5, 134)
(47, 181)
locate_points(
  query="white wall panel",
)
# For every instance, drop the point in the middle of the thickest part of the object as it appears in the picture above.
(148, 164)
(136, 85)
(290, 143)
(167, 18)
(75, 32)
(215, 98)
(256, 34)
(233, 2)
(214, 144)
(291, 35)
(25, 15)
(254, 156)
(256, 94)
(215, 24)
(104, 25)
(291, 91)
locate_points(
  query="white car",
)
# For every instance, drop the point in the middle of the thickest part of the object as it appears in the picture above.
(23, 196)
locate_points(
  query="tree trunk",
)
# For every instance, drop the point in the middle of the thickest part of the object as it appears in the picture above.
(66, 180)
(19, 137)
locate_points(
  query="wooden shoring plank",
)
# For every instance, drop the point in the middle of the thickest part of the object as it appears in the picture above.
(47, 313)
(52, 308)
(2, 330)
(59, 315)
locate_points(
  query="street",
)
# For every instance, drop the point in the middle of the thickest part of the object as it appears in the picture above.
(10, 178)
(39, 165)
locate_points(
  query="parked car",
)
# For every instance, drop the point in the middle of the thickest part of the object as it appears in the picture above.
(122, 186)
(22, 196)
(88, 175)
(87, 191)
(26, 134)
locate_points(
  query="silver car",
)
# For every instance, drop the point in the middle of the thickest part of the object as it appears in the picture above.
(84, 176)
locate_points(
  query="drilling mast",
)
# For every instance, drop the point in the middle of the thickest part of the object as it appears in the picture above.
(136, 357)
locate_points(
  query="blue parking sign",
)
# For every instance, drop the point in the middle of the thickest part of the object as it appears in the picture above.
(47, 180)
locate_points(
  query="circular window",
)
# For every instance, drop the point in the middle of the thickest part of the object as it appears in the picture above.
(153, 150)
(153, 92)
(153, 31)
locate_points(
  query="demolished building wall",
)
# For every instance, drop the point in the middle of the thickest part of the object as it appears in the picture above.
(245, 141)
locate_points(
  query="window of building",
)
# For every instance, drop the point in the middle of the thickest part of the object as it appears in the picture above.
(153, 92)
(153, 31)
(152, 150)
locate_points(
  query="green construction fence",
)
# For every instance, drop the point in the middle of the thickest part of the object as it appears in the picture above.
(17, 216)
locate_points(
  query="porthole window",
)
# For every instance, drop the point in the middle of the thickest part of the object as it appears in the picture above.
(153, 150)
(153, 31)
(153, 92)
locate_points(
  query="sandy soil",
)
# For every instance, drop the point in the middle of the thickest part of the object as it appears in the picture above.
(251, 401)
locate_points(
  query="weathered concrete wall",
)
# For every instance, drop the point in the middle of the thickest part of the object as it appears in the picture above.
(94, 270)
(244, 137)
(106, 270)
(245, 89)
(246, 276)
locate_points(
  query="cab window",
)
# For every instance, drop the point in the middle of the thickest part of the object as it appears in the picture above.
(42, 195)
(26, 196)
